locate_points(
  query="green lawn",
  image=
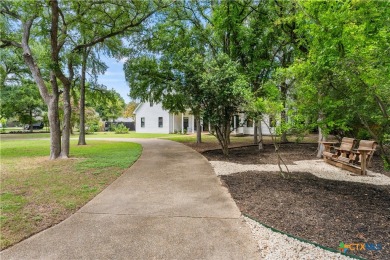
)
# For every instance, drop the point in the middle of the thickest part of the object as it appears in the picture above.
(8, 129)
(131, 134)
(37, 193)
(24, 136)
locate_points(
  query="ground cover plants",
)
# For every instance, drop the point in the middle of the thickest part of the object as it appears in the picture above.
(37, 193)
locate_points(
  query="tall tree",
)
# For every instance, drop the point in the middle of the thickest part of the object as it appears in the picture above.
(225, 92)
(25, 26)
(345, 74)
(191, 32)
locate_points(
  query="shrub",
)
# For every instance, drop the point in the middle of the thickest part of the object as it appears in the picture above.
(93, 128)
(121, 129)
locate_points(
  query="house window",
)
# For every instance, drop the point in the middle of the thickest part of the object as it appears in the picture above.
(272, 121)
(142, 121)
(185, 122)
(160, 122)
(237, 119)
(235, 122)
(249, 122)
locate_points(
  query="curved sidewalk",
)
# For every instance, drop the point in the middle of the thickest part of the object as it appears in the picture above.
(168, 205)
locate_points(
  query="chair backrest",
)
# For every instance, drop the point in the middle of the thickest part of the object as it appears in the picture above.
(347, 144)
(367, 144)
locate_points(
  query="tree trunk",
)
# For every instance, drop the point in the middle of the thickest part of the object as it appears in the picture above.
(222, 139)
(55, 129)
(260, 135)
(82, 99)
(321, 136)
(66, 126)
(31, 121)
(50, 98)
(283, 138)
(255, 139)
(198, 130)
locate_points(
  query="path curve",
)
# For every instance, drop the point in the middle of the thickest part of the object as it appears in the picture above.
(168, 205)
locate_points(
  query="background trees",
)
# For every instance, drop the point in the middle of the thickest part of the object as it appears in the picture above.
(50, 36)
(328, 61)
(21, 101)
(129, 109)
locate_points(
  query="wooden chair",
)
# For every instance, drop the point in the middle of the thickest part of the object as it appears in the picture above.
(364, 145)
(342, 152)
(346, 158)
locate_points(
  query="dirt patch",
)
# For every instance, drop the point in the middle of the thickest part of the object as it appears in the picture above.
(23, 164)
(319, 210)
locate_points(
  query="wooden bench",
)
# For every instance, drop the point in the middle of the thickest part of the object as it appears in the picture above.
(349, 159)
(343, 151)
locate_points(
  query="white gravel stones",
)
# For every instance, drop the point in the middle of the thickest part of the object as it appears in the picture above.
(317, 167)
(274, 245)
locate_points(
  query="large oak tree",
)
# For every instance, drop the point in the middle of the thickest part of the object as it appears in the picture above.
(49, 33)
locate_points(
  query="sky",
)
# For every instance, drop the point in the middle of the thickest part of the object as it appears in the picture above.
(114, 77)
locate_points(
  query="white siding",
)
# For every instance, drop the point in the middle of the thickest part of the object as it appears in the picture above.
(151, 115)
(264, 128)
(173, 123)
(250, 130)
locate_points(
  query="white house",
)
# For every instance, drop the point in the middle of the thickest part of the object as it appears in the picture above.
(152, 118)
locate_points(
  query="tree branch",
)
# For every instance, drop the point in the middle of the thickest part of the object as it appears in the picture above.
(28, 58)
(111, 34)
(7, 43)
(5, 10)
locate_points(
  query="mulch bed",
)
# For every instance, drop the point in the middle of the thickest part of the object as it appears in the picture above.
(320, 210)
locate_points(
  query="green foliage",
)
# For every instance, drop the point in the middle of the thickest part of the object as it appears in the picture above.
(109, 107)
(129, 110)
(344, 79)
(76, 28)
(3, 122)
(121, 129)
(93, 128)
(21, 101)
(225, 90)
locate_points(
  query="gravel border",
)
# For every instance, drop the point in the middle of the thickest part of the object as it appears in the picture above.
(275, 245)
(317, 167)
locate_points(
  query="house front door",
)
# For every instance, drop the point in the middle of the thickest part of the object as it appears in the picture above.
(185, 123)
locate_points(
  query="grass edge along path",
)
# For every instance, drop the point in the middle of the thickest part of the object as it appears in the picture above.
(37, 193)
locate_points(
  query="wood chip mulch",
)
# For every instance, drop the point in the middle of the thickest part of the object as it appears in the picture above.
(319, 210)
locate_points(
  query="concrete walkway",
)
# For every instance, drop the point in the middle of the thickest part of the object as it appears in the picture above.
(168, 205)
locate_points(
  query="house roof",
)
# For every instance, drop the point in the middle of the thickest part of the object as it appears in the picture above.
(139, 105)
